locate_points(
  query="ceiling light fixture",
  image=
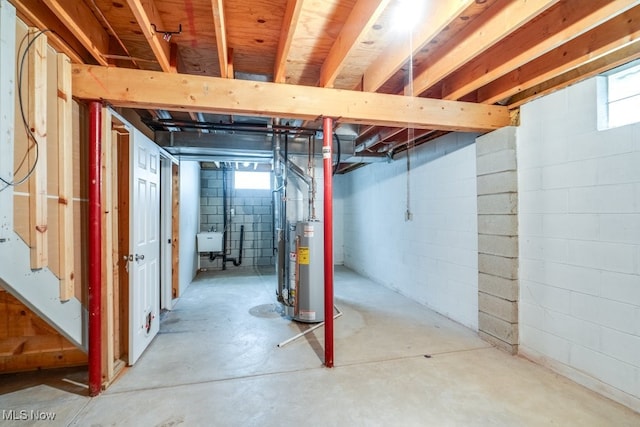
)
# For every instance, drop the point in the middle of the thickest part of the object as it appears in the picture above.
(406, 14)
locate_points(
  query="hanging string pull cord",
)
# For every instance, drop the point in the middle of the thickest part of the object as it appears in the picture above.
(27, 128)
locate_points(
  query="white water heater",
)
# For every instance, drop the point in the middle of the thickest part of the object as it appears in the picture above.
(306, 272)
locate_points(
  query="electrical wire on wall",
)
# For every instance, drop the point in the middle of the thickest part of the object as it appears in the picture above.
(408, 91)
(30, 136)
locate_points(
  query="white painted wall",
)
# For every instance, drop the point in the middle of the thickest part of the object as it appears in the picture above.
(189, 221)
(338, 218)
(432, 259)
(579, 202)
(7, 101)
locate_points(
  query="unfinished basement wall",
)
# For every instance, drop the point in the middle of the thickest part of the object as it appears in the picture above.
(432, 258)
(189, 222)
(579, 215)
(339, 190)
(42, 289)
(252, 209)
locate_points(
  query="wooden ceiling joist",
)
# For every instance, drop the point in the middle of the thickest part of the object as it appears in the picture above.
(615, 34)
(60, 38)
(146, 14)
(221, 37)
(435, 16)
(147, 89)
(600, 65)
(362, 17)
(289, 24)
(474, 39)
(80, 20)
(560, 24)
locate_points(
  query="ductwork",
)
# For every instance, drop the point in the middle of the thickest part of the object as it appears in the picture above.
(249, 147)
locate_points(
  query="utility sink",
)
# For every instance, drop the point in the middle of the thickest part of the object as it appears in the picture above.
(209, 241)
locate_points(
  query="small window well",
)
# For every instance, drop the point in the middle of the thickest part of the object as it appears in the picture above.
(622, 92)
(244, 180)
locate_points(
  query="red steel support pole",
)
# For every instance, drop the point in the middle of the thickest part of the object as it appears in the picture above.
(328, 241)
(94, 249)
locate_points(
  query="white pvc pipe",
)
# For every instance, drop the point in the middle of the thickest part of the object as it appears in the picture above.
(313, 328)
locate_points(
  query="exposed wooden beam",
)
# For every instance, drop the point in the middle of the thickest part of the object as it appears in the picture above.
(600, 65)
(397, 137)
(79, 19)
(173, 57)
(562, 23)
(65, 180)
(37, 119)
(435, 16)
(147, 89)
(362, 17)
(37, 14)
(146, 14)
(426, 137)
(230, 72)
(221, 37)
(289, 24)
(614, 34)
(504, 17)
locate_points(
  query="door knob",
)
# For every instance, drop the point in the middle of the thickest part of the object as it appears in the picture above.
(139, 257)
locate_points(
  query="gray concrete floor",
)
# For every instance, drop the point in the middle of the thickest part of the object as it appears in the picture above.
(216, 362)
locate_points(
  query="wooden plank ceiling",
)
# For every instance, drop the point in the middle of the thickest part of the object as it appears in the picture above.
(502, 52)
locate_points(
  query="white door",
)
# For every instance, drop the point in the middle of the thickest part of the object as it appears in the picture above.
(144, 295)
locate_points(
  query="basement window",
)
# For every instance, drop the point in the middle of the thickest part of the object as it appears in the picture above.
(244, 180)
(622, 88)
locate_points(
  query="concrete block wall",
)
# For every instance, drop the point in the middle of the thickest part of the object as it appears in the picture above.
(497, 182)
(433, 258)
(579, 203)
(251, 208)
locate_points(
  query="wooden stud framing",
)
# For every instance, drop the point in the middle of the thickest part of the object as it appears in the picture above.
(146, 14)
(65, 180)
(563, 22)
(363, 15)
(37, 119)
(435, 16)
(221, 37)
(79, 18)
(289, 23)
(115, 251)
(175, 230)
(123, 150)
(147, 89)
(107, 244)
